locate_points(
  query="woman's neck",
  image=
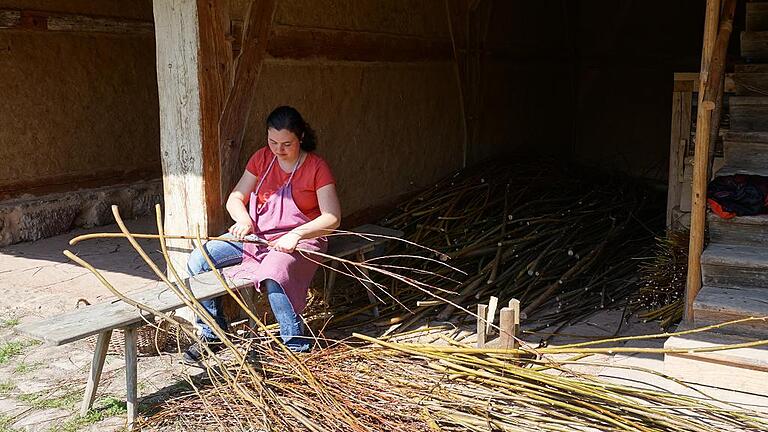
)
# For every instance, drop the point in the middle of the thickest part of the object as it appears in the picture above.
(288, 165)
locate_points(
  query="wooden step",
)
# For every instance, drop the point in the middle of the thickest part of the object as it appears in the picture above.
(744, 369)
(750, 68)
(741, 230)
(754, 44)
(735, 266)
(757, 16)
(750, 83)
(731, 170)
(716, 305)
(749, 155)
(748, 113)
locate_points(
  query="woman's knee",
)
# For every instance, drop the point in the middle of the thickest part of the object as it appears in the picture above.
(196, 263)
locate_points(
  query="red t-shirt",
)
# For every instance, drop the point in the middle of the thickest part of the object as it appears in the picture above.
(310, 176)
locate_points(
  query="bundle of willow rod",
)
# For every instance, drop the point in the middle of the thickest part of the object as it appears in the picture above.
(663, 276)
(561, 243)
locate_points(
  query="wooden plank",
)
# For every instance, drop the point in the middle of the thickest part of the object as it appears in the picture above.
(81, 323)
(33, 20)
(675, 155)
(309, 43)
(493, 303)
(97, 365)
(237, 107)
(701, 164)
(507, 319)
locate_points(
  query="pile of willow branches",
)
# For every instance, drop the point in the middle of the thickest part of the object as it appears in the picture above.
(563, 243)
(395, 386)
(256, 383)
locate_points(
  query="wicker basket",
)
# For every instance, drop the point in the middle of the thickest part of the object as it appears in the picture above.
(150, 339)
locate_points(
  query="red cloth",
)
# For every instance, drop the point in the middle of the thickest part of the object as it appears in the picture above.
(311, 175)
(719, 210)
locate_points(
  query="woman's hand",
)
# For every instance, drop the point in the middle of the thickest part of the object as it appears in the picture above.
(241, 229)
(287, 243)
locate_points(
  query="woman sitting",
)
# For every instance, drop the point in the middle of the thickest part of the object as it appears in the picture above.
(291, 201)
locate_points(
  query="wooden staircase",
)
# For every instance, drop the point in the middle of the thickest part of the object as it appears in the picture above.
(735, 264)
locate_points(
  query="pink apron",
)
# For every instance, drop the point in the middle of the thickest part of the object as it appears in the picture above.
(278, 215)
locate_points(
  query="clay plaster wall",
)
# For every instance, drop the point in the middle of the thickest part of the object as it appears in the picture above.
(77, 108)
(385, 128)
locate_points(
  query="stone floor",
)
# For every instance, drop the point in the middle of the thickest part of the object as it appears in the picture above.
(41, 387)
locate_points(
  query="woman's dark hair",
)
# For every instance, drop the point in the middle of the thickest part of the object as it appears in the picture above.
(288, 118)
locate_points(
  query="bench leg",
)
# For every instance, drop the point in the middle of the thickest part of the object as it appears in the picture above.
(331, 283)
(369, 287)
(130, 375)
(97, 365)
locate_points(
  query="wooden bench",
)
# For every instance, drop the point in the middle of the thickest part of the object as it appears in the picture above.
(101, 319)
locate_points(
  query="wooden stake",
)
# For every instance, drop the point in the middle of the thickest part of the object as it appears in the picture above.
(507, 319)
(493, 303)
(482, 312)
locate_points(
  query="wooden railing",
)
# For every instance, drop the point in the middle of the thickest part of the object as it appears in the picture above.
(718, 26)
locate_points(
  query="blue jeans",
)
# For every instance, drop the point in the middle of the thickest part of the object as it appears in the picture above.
(228, 253)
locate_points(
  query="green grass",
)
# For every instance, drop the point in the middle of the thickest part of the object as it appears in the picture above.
(105, 408)
(9, 322)
(5, 424)
(10, 349)
(24, 367)
(6, 387)
(44, 399)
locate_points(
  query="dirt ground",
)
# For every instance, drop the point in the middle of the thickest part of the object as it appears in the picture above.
(41, 387)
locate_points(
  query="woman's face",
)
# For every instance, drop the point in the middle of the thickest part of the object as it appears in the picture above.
(284, 144)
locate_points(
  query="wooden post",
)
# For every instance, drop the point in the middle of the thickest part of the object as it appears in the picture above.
(509, 322)
(482, 313)
(97, 365)
(680, 134)
(130, 375)
(700, 164)
(192, 75)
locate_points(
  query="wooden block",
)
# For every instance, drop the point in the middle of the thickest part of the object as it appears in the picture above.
(493, 303)
(482, 312)
(507, 318)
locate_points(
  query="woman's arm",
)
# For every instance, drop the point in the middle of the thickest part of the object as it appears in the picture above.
(236, 205)
(329, 219)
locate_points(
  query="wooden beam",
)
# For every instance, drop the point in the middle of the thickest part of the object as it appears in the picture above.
(33, 20)
(306, 43)
(237, 108)
(700, 175)
(215, 71)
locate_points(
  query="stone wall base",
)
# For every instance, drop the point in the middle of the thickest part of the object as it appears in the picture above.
(33, 218)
